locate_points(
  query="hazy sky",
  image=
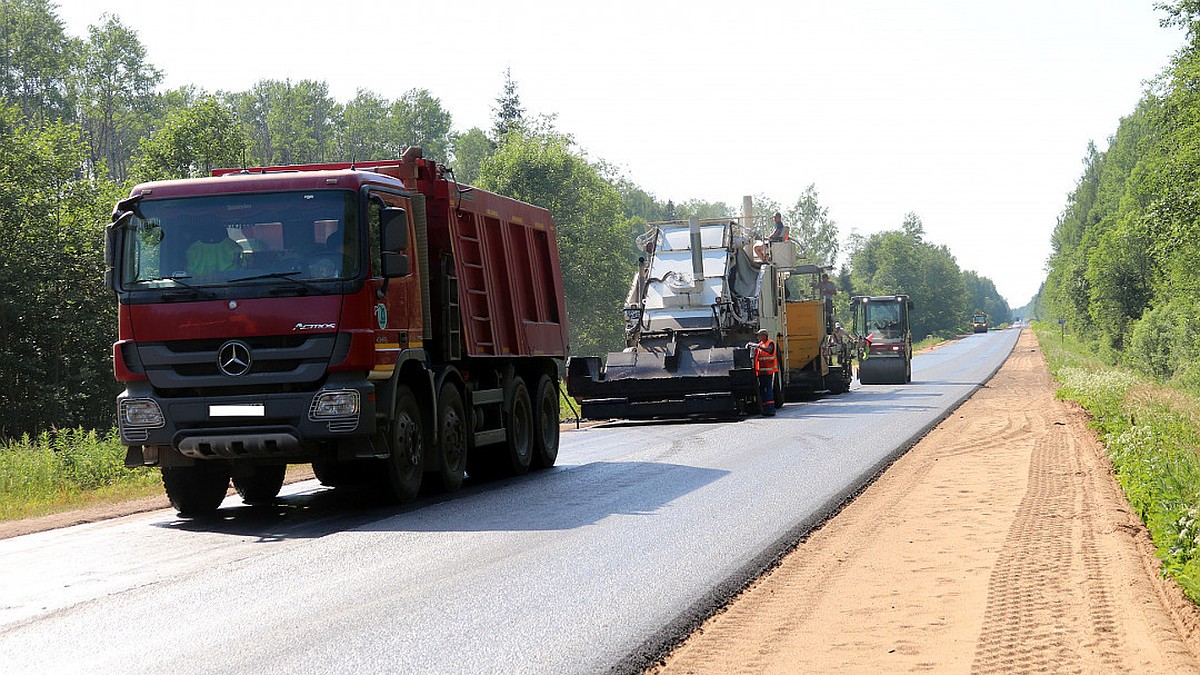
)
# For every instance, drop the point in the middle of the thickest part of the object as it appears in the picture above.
(973, 115)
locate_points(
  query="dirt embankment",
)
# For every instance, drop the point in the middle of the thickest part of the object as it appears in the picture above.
(1000, 543)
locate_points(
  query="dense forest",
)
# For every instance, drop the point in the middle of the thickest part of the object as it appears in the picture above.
(84, 118)
(1123, 272)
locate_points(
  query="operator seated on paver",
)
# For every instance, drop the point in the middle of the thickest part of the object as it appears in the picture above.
(780, 233)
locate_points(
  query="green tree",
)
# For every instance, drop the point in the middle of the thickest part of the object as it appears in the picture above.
(507, 115)
(186, 96)
(421, 120)
(1183, 14)
(640, 206)
(913, 226)
(813, 229)
(56, 315)
(699, 208)
(594, 251)
(288, 123)
(1121, 225)
(1163, 342)
(192, 142)
(470, 151)
(36, 58)
(115, 91)
(363, 132)
(1066, 292)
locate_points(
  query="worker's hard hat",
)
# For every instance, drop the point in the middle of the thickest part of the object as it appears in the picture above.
(762, 331)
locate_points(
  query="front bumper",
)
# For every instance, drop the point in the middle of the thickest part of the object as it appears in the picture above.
(277, 426)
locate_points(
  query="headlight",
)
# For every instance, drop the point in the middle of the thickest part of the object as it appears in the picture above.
(333, 404)
(141, 412)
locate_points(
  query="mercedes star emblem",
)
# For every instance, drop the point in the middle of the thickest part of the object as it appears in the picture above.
(233, 358)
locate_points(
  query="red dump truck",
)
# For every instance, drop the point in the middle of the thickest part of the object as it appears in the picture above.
(377, 320)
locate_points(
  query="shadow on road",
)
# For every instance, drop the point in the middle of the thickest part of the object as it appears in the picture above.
(561, 498)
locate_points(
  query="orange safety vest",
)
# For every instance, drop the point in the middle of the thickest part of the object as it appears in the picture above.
(765, 359)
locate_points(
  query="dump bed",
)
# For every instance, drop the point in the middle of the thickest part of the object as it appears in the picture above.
(494, 268)
(505, 268)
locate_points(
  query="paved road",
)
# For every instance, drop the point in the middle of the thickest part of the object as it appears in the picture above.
(591, 566)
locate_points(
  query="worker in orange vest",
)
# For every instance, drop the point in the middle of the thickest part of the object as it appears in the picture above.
(766, 363)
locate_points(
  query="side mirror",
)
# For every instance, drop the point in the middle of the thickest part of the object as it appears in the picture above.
(393, 225)
(394, 265)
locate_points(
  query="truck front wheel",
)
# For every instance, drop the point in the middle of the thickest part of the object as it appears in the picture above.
(259, 484)
(196, 490)
(405, 466)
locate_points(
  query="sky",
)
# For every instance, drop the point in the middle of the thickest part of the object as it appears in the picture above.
(974, 116)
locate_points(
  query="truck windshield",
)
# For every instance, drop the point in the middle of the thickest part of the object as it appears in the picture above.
(278, 237)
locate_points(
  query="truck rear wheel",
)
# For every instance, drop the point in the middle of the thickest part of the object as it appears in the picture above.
(259, 484)
(519, 430)
(452, 438)
(545, 433)
(196, 490)
(405, 466)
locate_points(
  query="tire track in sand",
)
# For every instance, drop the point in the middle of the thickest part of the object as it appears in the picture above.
(1032, 622)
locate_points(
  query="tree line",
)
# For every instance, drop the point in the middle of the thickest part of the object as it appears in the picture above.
(83, 119)
(1122, 272)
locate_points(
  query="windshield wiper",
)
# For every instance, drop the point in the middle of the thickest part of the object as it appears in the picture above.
(287, 276)
(202, 292)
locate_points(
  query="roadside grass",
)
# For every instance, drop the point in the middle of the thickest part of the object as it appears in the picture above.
(67, 469)
(929, 341)
(1151, 433)
(568, 408)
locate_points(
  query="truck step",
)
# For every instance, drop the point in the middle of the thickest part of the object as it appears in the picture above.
(489, 437)
(487, 396)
